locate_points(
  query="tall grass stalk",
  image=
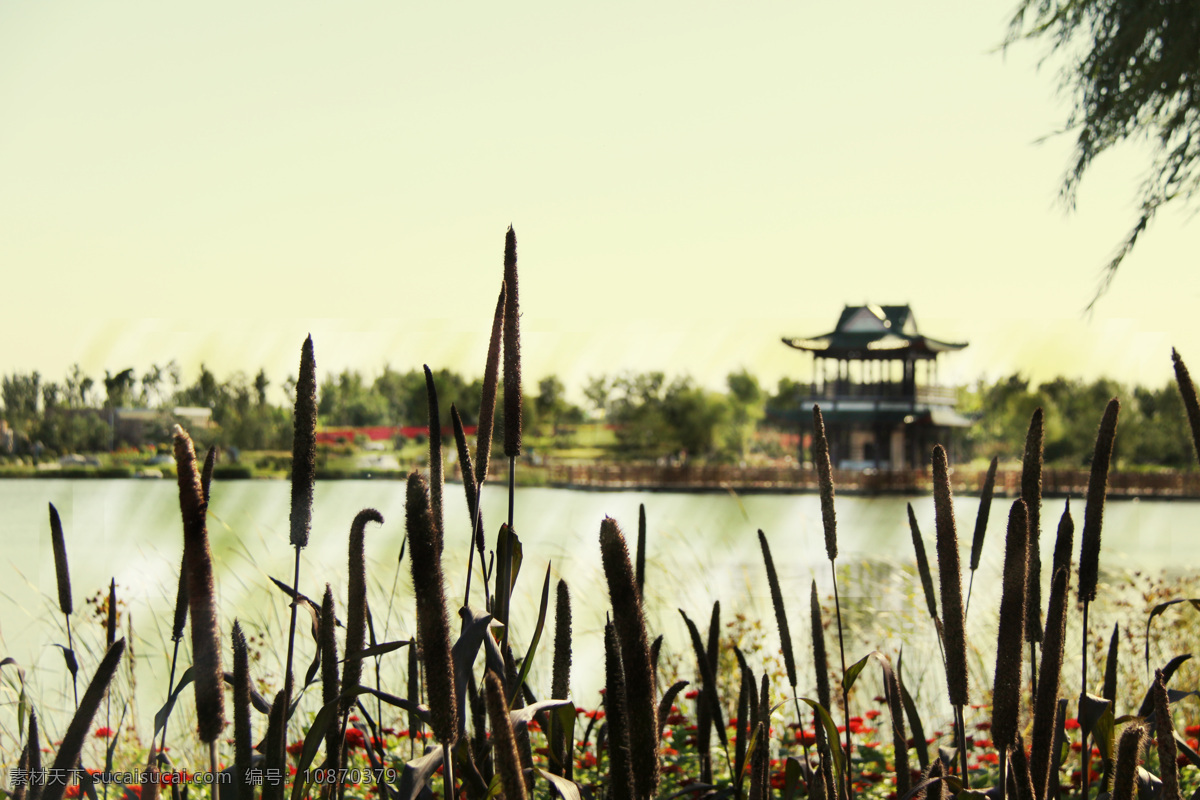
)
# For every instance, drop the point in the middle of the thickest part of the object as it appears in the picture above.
(1006, 692)
(512, 366)
(72, 741)
(950, 580)
(62, 574)
(981, 522)
(1089, 551)
(1031, 493)
(829, 524)
(304, 468)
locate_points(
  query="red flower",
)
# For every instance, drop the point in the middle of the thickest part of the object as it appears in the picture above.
(692, 695)
(873, 713)
(983, 726)
(991, 758)
(295, 748)
(355, 738)
(1073, 724)
(1193, 730)
(805, 738)
(104, 733)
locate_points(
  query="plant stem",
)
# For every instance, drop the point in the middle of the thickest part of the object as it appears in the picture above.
(962, 746)
(837, 604)
(71, 644)
(512, 477)
(212, 768)
(1085, 752)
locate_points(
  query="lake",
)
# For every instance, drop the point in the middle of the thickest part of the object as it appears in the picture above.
(701, 548)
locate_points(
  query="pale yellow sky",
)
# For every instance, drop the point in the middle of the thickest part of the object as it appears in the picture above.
(688, 182)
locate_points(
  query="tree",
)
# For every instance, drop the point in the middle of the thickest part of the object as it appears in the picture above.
(1133, 72)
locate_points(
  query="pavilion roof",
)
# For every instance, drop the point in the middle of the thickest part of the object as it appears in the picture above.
(874, 332)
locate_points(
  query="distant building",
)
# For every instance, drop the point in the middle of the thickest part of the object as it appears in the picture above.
(875, 378)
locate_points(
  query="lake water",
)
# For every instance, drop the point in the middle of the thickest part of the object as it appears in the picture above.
(701, 548)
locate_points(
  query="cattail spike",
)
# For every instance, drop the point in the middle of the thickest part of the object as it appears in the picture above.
(437, 478)
(242, 732)
(1109, 691)
(487, 400)
(33, 756)
(61, 571)
(330, 688)
(1049, 675)
(433, 626)
(616, 704)
(1187, 390)
(640, 564)
(922, 563)
(1006, 695)
(785, 636)
(1063, 541)
(950, 580)
(81, 723)
(356, 610)
(1031, 493)
(181, 603)
(206, 474)
(825, 479)
(635, 658)
(560, 684)
(206, 636)
(468, 475)
(1093, 513)
(110, 627)
(512, 350)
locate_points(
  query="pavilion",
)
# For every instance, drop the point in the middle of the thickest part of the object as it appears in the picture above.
(875, 379)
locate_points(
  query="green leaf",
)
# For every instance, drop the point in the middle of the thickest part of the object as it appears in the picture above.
(376, 650)
(417, 772)
(1147, 706)
(1091, 708)
(831, 733)
(1159, 609)
(1104, 734)
(312, 741)
(791, 778)
(527, 662)
(852, 672)
(164, 713)
(566, 788)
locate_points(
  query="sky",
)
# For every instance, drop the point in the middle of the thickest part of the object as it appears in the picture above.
(688, 182)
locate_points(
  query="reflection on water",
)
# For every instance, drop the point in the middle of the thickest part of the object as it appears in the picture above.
(701, 548)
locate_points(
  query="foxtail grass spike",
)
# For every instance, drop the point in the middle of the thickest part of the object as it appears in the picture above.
(81, 723)
(1093, 512)
(415, 725)
(504, 744)
(560, 683)
(206, 473)
(242, 732)
(1187, 391)
(437, 478)
(630, 628)
(1129, 757)
(950, 580)
(922, 563)
(1031, 493)
(1046, 703)
(985, 509)
(19, 789)
(640, 565)
(820, 659)
(433, 626)
(202, 607)
(487, 400)
(899, 736)
(1109, 692)
(61, 571)
(276, 755)
(512, 349)
(616, 704)
(468, 475)
(785, 636)
(1165, 734)
(181, 604)
(110, 627)
(356, 609)
(1063, 541)
(330, 688)
(304, 446)
(1006, 695)
(825, 479)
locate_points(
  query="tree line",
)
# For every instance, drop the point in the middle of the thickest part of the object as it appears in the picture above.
(650, 415)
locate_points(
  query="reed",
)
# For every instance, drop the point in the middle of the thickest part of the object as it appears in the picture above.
(1164, 734)
(433, 627)
(560, 683)
(1089, 552)
(981, 522)
(504, 745)
(1031, 493)
(208, 677)
(950, 582)
(1129, 758)
(72, 741)
(1187, 390)
(62, 574)
(242, 732)
(1006, 693)
(630, 626)
(616, 704)
(437, 478)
